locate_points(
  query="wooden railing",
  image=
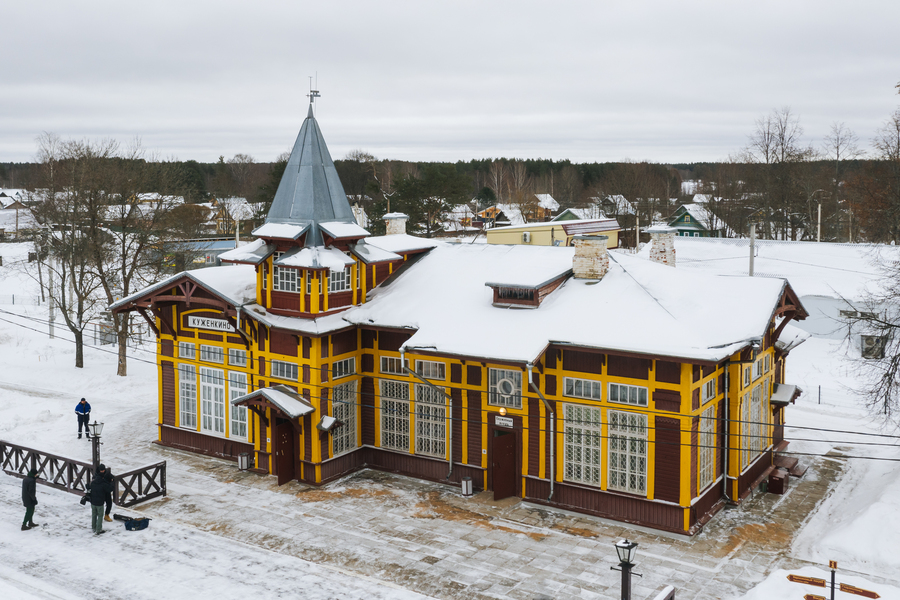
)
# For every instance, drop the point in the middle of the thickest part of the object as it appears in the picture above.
(73, 476)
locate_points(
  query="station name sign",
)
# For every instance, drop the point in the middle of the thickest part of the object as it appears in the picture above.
(503, 421)
(207, 323)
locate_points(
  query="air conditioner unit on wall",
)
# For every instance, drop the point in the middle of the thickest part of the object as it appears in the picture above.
(872, 346)
(526, 237)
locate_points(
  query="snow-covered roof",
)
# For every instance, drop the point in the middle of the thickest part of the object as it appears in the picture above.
(233, 284)
(589, 212)
(318, 257)
(10, 216)
(372, 254)
(547, 201)
(253, 253)
(812, 268)
(620, 204)
(287, 400)
(319, 326)
(343, 230)
(281, 231)
(791, 337)
(666, 303)
(402, 242)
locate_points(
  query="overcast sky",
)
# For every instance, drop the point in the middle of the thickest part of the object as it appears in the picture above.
(588, 81)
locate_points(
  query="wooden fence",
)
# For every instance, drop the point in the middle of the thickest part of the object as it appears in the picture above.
(73, 476)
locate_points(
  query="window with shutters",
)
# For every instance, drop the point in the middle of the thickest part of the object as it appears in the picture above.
(583, 443)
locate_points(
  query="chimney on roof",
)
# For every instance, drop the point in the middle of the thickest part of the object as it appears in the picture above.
(662, 240)
(591, 256)
(395, 223)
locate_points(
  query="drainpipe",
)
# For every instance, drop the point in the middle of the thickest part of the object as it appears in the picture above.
(449, 404)
(537, 390)
(727, 425)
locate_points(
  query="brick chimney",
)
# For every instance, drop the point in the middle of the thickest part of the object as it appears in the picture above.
(591, 257)
(662, 240)
(395, 223)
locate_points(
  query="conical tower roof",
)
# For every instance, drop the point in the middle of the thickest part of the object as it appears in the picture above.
(310, 191)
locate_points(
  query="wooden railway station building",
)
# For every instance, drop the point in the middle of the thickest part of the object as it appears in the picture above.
(573, 377)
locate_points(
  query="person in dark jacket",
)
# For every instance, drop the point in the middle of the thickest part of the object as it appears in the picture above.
(83, 410)
(29, 499)
(98, 488)
(109, 495)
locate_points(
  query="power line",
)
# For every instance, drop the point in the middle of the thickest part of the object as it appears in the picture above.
(626, 409)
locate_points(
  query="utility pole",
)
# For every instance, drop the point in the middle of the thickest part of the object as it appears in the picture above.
(752, 245)
(819, 230)
(50, 295)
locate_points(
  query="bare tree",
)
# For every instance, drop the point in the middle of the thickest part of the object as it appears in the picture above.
(497, 179)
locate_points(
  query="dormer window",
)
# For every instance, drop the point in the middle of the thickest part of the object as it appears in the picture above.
(339, 281)
(512, 293)
(283, 278)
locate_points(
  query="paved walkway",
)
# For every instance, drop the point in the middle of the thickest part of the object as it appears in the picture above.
(427, 538)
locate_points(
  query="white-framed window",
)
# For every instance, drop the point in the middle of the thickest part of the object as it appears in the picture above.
(343, 368)
(431, 421)
(768, 365)
(430, 369)
(395, 415)
(583, 388)
(627, 452)
(747, 376)
(505, 388)
(344, 409)
(707, 449)
(187, 396)
(284, 279)
(237, 357)
(283, 370)
(265, 276)
(392, 365)
(339, 281)
(213, 354)
(628, 394)
(583, 443)
(709, 390)
(754, 414)
(237, 387)
(187, 350)
(757, 369)
(212, 400)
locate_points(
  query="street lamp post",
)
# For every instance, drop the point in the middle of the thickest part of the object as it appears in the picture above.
(96, 430)
(626, 551)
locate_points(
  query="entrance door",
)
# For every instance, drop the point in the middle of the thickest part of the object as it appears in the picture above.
(284, 451)
(503, 463)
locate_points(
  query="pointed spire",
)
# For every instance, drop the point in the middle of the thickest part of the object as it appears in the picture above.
(310, 191)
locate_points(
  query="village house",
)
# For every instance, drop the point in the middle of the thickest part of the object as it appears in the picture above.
(571, 376)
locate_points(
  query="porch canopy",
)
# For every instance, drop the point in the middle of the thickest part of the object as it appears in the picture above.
(280, 398)
(785, 394)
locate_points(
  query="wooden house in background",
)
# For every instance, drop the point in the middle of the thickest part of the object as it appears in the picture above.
(571, 377)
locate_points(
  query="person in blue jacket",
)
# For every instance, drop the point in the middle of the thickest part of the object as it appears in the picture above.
(83, 410)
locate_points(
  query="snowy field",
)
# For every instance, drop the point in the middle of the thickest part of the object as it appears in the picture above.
(858, 525)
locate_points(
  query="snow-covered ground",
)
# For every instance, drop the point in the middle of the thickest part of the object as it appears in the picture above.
(858, 525)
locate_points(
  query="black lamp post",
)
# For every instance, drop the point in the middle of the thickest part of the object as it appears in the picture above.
(626, 551)
(96, 430)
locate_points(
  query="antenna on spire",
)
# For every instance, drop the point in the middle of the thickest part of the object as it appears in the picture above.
(313, 94)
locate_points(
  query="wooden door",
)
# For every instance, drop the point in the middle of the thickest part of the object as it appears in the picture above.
(503, 464)
(284, 451)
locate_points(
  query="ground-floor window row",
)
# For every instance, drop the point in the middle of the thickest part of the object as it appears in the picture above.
(201, 400)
